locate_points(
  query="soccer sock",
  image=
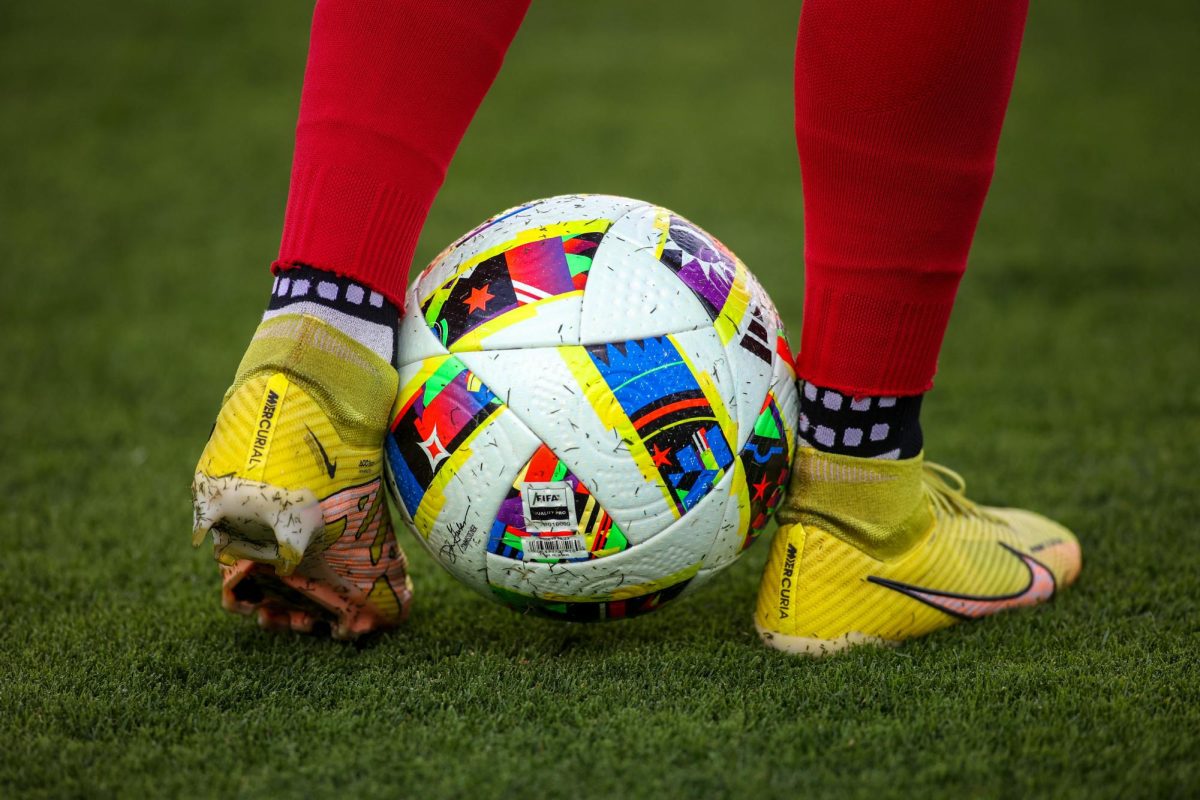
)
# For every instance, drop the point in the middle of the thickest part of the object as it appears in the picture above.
(899, 105)
(389, 90)
(363, 314)
(868, 427)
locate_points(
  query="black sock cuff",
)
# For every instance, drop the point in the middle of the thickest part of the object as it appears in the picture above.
(870, 427)
(304, 284)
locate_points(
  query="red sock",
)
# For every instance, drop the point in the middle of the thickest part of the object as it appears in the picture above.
(899, 105)
(390, 88)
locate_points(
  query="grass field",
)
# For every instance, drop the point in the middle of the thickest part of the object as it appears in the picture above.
(145, 157)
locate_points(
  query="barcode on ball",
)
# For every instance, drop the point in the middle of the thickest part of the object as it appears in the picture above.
(554, 547)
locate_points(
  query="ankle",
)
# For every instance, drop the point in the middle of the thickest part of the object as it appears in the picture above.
(364, 315)
(350, 381)
(878, 505)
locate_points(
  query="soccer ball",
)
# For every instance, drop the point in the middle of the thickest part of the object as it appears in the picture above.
(596, 409)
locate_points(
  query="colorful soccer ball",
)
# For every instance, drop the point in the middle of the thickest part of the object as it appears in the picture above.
(596, 410)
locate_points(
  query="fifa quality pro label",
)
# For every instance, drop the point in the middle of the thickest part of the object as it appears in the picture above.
(549, 506)
(550, 509)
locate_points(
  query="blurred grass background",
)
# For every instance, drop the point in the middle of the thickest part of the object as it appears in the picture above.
(145, 151)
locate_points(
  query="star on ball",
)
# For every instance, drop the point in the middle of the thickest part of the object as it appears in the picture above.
(434, 450)
(760, 488)
(478, 299)
(661, 457)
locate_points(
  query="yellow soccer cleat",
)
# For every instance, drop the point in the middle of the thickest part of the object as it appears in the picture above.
(290, 484)
(878, 551)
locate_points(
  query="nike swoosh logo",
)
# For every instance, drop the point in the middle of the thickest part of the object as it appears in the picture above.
(1040, 587)
(330, 466)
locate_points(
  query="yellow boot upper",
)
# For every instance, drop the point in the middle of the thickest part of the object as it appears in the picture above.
(878, 550)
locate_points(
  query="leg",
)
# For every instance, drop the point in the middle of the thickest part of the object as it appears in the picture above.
(898, 113)
(390, 88)
(289, 484)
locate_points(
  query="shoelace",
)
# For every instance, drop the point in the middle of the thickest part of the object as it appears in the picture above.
(947, 492)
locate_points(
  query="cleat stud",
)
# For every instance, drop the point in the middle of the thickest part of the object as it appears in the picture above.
(199, 535)
(270, 620)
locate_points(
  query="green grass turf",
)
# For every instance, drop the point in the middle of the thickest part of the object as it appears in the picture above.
(145, 151)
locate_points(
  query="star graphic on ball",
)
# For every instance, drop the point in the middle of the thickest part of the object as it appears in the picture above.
(478, 299)
(433, 448)
(760, 488)
(661, 457)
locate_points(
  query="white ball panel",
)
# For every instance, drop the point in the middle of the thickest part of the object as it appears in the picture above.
(727, 544)
(459, 536)
(540, 389)
(682, 545)
(630, 294)
(401, 521)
